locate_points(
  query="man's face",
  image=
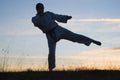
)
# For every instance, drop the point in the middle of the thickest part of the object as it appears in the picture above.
(40, 9)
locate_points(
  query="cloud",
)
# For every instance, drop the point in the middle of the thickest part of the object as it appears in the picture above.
(118, 48)
(97, 20)
(103, 50)
(108, 53)
(98, 25)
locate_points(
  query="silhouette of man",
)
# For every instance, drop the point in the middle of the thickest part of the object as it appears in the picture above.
(46, 22)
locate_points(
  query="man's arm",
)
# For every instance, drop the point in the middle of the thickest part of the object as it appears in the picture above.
(69, 17)
(61, 18)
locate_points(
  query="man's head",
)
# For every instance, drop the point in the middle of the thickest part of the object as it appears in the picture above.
(40, 8)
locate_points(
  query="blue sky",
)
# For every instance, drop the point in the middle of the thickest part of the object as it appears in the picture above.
(98, 19)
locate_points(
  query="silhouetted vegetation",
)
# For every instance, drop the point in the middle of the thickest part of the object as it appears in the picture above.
(62, 75)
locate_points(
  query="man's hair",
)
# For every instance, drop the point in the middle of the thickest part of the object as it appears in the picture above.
(39, 5)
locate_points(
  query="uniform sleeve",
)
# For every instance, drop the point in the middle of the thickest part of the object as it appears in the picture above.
(60, 18)
(33, 21)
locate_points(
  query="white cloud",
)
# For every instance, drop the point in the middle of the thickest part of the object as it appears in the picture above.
(97, 20)
(95, 53)
(95, 25)
(102, 51)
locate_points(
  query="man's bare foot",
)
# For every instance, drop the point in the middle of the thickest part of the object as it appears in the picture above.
(97, 42)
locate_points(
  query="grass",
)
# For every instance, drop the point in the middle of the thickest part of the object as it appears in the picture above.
(62, 75)
(4, 60)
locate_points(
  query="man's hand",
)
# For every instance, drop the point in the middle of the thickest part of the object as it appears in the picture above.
(69, 17)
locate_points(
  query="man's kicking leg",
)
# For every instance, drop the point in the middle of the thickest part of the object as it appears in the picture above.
(78, 38)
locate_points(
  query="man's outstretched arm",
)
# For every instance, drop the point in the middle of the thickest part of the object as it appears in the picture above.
(61, 18)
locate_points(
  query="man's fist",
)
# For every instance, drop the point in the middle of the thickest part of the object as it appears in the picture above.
(69, 17)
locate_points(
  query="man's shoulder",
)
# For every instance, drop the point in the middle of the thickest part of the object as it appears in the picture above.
(48, 12)
(34, 17)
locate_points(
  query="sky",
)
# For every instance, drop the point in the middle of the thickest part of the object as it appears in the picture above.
(25, 44)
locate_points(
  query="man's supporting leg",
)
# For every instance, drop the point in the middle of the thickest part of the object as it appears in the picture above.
(51, 55)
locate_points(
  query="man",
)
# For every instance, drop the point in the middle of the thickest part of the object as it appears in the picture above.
(46, 22)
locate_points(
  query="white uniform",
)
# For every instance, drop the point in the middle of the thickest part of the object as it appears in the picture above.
(54, 33)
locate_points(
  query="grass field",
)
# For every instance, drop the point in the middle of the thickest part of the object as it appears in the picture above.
(62, 75)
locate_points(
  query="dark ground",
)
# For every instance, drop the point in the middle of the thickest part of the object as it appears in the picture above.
(62, 75)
